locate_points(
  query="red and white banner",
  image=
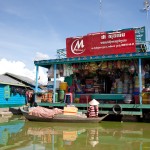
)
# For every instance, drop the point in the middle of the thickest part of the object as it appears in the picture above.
(101, 43)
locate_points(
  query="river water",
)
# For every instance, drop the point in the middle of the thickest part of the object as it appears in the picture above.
(19, 134)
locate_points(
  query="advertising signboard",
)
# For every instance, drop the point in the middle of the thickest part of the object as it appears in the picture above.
(101, 43)
(140, 34)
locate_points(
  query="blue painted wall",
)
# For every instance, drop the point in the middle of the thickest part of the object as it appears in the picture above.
(15, 99)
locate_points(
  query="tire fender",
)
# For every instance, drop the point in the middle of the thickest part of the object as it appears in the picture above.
(117, 109)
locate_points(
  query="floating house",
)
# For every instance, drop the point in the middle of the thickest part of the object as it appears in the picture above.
(13, 90)
(112, 67)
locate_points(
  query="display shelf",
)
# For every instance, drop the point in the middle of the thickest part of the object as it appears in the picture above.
(105, 96)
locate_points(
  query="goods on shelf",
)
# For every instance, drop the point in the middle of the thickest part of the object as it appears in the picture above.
(50, 84)
(47, 97)
(146, 98)
(63, 86)
(115, 77)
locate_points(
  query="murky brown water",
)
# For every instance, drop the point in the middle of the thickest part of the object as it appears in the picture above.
(24, 135)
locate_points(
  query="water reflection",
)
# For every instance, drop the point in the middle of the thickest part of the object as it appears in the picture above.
(20, 135)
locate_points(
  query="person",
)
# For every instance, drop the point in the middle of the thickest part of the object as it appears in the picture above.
(93, 109)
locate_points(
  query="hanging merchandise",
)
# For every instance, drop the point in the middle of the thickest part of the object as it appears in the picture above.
(86, 66)
(61, 70)
(69, 70)
(118, 64)
(131, 69)
(69, 80)
(147, 68)
(82, 66)
(126, 64)
(118, 73)
(110, 65)
(119, 87)
(79, 67)
(93, 67)
(104, 66)
(135, 62)
(114, 65)
(86, 69)
(65, 70)
(50, 73)
(122, 65)
(74, 68)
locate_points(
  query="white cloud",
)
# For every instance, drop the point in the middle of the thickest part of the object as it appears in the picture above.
(41, 56)
(19, 68)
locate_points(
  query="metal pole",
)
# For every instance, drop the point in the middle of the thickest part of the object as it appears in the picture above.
(36, 82)
(147, 8)
(54, 88)
(140, 81)
(147, 25)
(100, 1)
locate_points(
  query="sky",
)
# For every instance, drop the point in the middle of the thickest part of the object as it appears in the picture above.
(34, 29)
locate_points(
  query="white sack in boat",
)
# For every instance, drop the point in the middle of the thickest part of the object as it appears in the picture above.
(44, 112)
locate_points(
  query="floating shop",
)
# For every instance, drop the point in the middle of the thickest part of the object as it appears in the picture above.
(112, 67)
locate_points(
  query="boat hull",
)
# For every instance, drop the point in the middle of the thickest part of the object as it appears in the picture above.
(69, 119)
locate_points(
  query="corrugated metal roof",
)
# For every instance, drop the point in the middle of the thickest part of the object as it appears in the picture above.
(22, 79)
(4, 79)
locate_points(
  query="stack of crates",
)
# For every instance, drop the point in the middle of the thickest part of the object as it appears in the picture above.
(47, 97)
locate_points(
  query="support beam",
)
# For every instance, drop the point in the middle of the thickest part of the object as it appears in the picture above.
(36, 81)
(140, 80)
(54, 88)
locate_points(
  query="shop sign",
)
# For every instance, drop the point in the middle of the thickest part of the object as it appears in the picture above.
(140, 34)
(101, 43)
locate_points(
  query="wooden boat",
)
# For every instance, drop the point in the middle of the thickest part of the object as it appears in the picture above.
(62, 118)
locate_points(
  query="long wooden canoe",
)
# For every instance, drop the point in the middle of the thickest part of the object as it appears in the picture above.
(62, 118)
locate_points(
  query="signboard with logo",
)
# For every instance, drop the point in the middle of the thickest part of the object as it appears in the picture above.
(101, 43)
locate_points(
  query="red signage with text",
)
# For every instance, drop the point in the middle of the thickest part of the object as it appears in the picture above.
(101, 43)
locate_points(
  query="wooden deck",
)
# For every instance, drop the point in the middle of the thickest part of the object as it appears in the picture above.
(127, 109)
